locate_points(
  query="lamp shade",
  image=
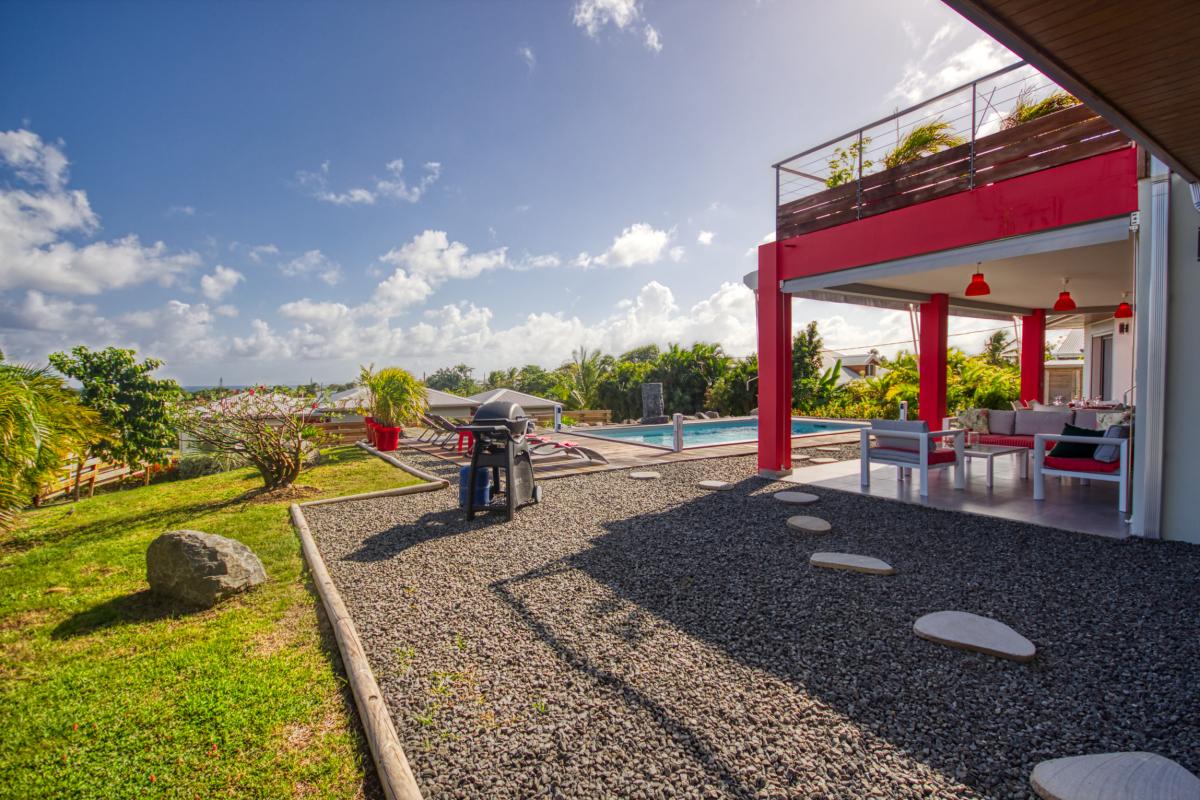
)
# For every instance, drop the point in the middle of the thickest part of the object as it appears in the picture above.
(1124, 311)
(1064, 302)
(978, 287)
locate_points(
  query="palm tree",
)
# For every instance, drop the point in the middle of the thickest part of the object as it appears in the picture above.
(41, 425)
(996, 347)
(588, 369)
(923, 140)
(1026, 110)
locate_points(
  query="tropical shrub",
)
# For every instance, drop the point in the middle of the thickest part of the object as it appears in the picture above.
(1026, 109)
(271, 431)
(843, 164)
(921, 141)
(736, 392)
(41, 425)
(399, 398)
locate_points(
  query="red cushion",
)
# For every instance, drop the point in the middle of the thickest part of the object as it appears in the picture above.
(1081, 464)
(1010, 441)
(943, 456)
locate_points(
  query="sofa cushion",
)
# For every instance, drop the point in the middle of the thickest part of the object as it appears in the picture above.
(1106, 419)
(1030, 422)
(1081, 464)
(974, 419)
(1086, 418)
(1076, 449)
(1109, 453)
(939, 456)
(1002, 422)
(880, 427)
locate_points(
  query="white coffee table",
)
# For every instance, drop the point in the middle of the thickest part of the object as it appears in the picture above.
(990, 451)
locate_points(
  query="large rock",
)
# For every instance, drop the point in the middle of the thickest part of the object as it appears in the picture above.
(201, 568)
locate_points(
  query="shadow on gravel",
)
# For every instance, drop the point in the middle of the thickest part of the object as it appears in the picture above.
(435, 525)
(1115, 623)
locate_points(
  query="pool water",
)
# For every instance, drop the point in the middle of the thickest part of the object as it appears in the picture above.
(701, 434)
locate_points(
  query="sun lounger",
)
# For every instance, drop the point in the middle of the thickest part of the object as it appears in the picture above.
(443, 431)
(547, 449)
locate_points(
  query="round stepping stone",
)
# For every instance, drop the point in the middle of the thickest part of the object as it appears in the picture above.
(800, 457)
(829, 449)
(973, 632)
(645, 476)
(849, 561)
(823, 460)
(716, 486)
(808, 524)
(798, 498)
(1112, 776)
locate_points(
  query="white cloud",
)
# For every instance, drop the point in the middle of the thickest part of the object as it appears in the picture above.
(226, 311)
(705, 237)
(257, 252)
(392, 186)
(640, 243)
(36, 220)
(311, 311)
(313, 262)
(181, 211)
(528, 56)
(946, 63)
(220, 283)
(595, 15)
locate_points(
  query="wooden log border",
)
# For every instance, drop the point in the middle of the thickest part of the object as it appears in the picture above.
(395, 774)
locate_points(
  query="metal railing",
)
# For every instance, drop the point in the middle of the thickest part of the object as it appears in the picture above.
(847, 173)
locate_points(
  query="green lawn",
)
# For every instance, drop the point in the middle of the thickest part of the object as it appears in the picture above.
(107, 691)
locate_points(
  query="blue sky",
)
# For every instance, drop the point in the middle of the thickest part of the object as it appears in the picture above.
(281, 191)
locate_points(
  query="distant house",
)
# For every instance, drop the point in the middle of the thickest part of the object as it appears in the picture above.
(441, 403)
(855, 366)
(1064, 369)
(532, 405)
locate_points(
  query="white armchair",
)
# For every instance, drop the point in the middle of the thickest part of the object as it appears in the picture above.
(909, 445)
(1086, 468)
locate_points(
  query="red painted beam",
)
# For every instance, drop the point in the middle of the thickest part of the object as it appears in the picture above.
(774, 365)
(931, 363)
(1094, 188)
(1033, 356)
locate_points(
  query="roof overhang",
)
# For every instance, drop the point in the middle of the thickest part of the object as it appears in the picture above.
(1138, 65)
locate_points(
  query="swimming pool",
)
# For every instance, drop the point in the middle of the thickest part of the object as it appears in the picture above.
(704, 433)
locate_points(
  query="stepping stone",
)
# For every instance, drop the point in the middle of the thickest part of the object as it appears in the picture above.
(829, 449)
(716, 486)
(1114, 776)
(973, 632)
(800, 457)
(823, 460)
(645, 476)
(867, 564)
(808, 524)
(799, 498)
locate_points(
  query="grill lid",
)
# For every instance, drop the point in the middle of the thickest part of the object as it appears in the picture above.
(502, 412)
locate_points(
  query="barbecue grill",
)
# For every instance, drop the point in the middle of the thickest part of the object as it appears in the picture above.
(501, 430)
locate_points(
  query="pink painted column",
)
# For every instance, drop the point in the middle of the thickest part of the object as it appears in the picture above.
(774, 364)
(1033, 356)
(931, 365)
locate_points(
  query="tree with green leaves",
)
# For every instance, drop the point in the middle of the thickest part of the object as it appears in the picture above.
(133, 405)
(42, 424)
(457, 380)
(736, 392)
(995, 349)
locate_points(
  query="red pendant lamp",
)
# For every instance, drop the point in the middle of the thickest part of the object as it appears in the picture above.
(978, 287)
(1124, 310)
(1064, 301)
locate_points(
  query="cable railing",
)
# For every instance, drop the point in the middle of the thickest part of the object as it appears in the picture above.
(1005, 124)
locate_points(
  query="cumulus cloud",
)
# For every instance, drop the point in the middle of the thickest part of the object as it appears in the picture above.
(37, 215)
(705, 237)
(313, 262)
(945, 62)
(220, 283)
(257, 252)
(391, 186)
(640, 243)
(593, 16)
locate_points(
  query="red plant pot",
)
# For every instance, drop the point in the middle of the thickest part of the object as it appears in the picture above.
(387, 438)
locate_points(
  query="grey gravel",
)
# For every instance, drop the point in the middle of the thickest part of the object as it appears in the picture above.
(652, 639)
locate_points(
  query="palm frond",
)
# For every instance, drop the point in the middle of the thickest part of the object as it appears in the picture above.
(921, 141)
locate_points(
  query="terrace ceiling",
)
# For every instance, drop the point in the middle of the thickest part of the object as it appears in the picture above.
(1137, 64)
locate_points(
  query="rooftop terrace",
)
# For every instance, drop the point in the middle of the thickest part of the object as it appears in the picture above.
(1012, 122)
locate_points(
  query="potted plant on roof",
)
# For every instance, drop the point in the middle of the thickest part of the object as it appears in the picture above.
(398, 398)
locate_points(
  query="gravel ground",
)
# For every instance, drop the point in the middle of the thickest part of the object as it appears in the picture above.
(650, 639)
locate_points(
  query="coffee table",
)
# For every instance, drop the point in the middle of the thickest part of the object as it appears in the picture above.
(990, 451)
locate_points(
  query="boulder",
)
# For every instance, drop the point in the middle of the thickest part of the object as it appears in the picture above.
(201, 568)
(655, 420)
